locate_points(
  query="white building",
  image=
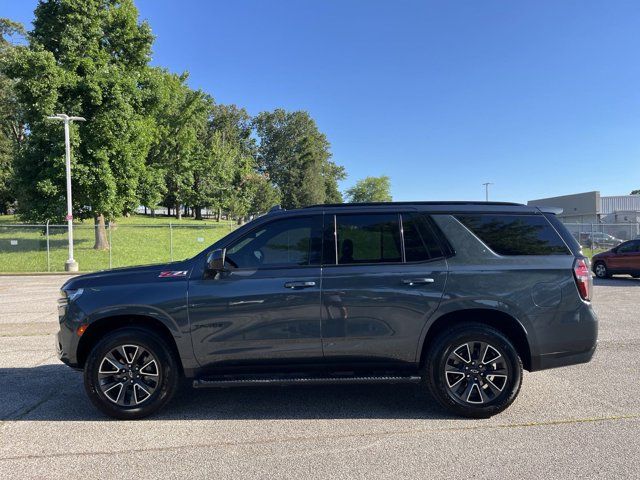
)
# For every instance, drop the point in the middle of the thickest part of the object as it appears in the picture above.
(590, 207)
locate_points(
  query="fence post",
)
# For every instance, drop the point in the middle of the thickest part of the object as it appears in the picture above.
(170, 241)
(48, 254)
(110, 246)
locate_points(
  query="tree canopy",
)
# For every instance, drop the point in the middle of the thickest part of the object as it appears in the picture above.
(370, 189)
(149, 140)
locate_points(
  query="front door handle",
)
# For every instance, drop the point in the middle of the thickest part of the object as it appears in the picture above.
(299, 284)
(417, 281)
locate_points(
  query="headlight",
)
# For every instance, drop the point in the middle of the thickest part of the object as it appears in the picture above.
(67, 296)
(74, 294)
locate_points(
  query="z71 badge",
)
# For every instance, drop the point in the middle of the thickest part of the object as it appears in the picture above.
(173, 274)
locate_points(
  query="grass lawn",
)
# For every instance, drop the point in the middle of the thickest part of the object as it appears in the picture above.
(135, 240)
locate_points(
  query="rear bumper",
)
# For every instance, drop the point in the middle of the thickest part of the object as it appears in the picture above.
(569, 340)
(563, 359)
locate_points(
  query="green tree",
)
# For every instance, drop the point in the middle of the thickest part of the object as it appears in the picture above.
(635, 192)
(264, 194)
(332, 175)
(297, 158)
(370, 189)
(85, 57)
(12, 129)
(226, 162)
(178, 116)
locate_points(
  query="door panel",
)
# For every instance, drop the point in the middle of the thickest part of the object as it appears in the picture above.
(374, 306)
(253, 318)
(376, 313)
(627, 258)
(265, 308)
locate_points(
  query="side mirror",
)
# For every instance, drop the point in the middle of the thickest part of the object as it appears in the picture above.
(215, 260)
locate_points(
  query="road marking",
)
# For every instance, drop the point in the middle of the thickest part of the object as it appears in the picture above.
(388, 433)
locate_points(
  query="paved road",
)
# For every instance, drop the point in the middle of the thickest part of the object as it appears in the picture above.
(581, 421)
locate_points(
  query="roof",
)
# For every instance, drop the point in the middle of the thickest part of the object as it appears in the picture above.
(382, 204)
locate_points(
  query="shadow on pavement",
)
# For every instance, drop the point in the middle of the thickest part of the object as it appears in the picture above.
(56, 393)
(621, 281)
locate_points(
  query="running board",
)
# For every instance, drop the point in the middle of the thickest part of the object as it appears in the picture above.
(284, 381)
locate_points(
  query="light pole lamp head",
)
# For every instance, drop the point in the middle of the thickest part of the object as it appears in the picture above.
(66, 118)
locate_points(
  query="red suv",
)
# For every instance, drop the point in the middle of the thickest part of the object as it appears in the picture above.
(623, 259)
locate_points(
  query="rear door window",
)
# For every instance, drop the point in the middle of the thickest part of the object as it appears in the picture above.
(515, 234)
(368, 238)
(420, 244)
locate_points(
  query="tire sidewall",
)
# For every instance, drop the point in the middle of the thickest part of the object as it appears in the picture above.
(446, 343)
(162, 353)
(605, 274)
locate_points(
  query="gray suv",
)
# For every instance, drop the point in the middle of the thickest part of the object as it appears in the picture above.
(456, 296)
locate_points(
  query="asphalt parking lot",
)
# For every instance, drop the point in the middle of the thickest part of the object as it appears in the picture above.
(576, 422)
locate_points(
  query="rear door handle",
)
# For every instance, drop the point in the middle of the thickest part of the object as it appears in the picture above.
(416, 281)
(299, 284)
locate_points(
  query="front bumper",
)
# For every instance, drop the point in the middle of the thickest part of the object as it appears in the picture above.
(67, 346)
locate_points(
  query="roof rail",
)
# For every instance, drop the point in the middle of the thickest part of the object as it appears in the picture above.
(377, 204)
(275, 208)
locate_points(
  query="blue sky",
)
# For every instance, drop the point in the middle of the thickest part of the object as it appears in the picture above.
(541, 98)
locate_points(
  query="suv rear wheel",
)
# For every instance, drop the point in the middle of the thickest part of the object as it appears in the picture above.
(473, 370)
(131, 373)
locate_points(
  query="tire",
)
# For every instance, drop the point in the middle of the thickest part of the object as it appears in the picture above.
(467, 388)
(142, 364)
(601, 271)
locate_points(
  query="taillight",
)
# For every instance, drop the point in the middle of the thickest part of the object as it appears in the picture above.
(583, 278)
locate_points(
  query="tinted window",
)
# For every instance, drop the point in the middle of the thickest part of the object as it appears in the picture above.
(368, 238)
(516, 234)
(419, 242)
(286, 242)
(630, 247)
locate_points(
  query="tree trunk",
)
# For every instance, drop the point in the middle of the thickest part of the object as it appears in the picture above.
(240, 220)
(145, 210)
(102, 242)
(153, 213)
(178, 212)
(198, 211)
(219, 214)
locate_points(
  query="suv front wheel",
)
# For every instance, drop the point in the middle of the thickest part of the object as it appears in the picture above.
(131, 373)
(473, 370)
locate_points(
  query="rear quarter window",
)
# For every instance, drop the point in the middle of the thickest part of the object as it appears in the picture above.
(515, 234)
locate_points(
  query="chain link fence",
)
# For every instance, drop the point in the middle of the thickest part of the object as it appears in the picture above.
(44, 248)
(603, 236)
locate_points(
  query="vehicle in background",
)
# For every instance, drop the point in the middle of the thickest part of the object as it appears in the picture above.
(598, 240)
(622, 259)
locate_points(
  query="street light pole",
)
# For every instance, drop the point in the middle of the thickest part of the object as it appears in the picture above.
(486, 191)
(70, 265)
